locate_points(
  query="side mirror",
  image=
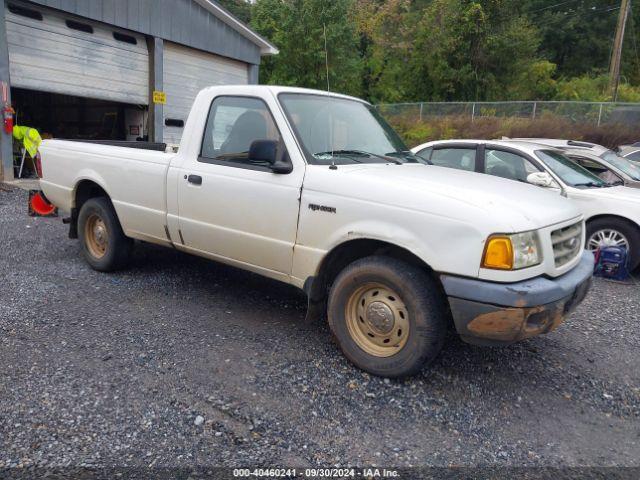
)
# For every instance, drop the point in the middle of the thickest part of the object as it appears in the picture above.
(541, 179)
(271, 153)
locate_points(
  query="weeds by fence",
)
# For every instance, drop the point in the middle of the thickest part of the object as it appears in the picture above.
(609, 124)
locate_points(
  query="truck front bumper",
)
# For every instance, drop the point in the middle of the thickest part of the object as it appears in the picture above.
(489, 313)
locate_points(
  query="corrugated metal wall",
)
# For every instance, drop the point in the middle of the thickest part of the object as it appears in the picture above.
(180, 21)
(47, 56)
(186, 72)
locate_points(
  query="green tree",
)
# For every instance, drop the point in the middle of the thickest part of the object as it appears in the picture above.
(466, 50)
(239, 8)
(417, 50)
(297, 28)
(386, 29)
(577, 35)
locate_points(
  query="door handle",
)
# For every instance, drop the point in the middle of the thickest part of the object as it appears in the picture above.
(195, 179)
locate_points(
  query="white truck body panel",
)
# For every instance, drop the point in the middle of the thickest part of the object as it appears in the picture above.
(134, 179)
(262, 221)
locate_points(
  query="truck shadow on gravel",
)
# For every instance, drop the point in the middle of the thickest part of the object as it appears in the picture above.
(282, 310)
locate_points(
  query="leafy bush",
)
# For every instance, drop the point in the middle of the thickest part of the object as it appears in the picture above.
(594, 89)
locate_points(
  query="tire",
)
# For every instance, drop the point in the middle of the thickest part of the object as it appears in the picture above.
(624, 228)
(416, 303)
(104, 244)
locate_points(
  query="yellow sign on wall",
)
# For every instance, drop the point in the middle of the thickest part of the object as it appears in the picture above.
(159, 97)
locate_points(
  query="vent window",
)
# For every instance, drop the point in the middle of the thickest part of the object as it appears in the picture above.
(83, 27)
(122, 37)
(25, 12)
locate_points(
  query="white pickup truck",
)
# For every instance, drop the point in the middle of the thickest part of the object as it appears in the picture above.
(316, 190)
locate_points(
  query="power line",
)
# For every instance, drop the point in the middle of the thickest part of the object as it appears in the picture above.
(553, 6)
(577, 14)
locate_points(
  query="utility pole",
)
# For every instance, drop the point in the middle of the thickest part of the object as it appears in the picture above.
(616, 56)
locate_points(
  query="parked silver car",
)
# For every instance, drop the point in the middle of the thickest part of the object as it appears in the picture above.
(611, 210)
(630, 152)
(599, 160)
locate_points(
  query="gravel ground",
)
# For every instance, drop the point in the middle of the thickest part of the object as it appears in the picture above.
(179, 361)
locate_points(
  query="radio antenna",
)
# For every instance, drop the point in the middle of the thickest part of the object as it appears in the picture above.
(326, 55)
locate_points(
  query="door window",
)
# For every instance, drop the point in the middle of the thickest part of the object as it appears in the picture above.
(596, 168)
(459, 158)
(234, 123)
(500, 163)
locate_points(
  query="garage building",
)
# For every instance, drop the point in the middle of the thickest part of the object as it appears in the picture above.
(117, 69)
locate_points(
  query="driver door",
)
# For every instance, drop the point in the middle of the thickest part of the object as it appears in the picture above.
(230, 207)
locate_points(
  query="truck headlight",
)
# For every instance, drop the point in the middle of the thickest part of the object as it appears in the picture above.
(512, 252)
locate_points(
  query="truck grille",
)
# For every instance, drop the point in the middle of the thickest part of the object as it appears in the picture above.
(567, 243)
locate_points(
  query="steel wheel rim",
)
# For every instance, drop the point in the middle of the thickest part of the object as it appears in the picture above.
(607, 237)
(96, 236)
(377, 320)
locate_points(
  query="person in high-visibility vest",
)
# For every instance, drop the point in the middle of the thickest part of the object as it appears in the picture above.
(29, 137)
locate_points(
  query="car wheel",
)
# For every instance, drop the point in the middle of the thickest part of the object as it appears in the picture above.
(104, 244)
(388, 317)
(615, 232)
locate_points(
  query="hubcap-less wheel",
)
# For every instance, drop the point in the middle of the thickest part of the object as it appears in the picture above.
(377, 320)
(96, 236)
(607, 238)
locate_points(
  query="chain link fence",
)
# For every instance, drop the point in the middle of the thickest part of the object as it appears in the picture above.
(591, 113)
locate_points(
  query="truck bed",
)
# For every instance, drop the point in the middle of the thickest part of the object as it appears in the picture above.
(133, 177)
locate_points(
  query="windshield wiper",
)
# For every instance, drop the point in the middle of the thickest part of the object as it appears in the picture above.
(360, 153)
(407, 155)
(590, 184)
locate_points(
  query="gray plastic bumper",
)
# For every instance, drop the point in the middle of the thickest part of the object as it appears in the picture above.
(501, 313)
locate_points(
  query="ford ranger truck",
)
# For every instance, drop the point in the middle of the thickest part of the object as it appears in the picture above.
(314, 189)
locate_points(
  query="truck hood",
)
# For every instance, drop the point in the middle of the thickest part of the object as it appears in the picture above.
(510, 205)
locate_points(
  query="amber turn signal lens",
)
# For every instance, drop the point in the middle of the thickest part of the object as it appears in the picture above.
(498, 254)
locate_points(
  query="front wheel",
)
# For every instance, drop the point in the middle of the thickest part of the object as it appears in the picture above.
(615, 232)
(388, 317)
(104, 244)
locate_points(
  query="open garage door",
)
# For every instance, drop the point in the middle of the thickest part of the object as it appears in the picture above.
(51, 52)
(186, 72)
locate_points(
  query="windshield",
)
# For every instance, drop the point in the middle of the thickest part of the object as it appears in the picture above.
(569, 172)
(622, 164)
(341, 131)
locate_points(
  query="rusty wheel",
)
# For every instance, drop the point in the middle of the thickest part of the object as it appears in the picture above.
(104, 244)
(388, 316)
(96, 236)
(377, 320)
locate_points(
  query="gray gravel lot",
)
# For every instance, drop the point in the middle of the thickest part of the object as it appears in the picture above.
(179, 361)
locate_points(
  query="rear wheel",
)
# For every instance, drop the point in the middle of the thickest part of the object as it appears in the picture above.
(615, 232)
(104, 244)
(389, 317)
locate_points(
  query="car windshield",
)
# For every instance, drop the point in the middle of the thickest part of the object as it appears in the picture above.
(569, 172)
(622, 164)
(337, 131)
